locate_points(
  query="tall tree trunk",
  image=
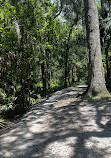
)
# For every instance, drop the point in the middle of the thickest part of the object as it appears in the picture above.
(21, 50)
(43, 79)
(72, 77)
(66, 74)
(96, 74)
(107, 60)
(102, 3)
(43, 67)
(66, 57)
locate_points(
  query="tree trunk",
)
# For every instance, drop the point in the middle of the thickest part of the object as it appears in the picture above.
(72, 77)
(65, 75)
(43, 74)
(66, 66)
(96, 74)
(66, 58)
(43, 79)
(107, 60)
(102, 3)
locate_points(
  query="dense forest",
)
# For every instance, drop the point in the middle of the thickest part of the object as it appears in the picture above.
(43, 48)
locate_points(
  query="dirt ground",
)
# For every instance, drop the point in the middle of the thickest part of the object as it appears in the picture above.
(61, 127)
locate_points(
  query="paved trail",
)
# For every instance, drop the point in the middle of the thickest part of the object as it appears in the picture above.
(61, 127)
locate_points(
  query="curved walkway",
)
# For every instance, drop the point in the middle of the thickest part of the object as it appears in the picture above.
(61, 127)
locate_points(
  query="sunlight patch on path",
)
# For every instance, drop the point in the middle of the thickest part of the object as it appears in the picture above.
(60, 148)
(99, 146)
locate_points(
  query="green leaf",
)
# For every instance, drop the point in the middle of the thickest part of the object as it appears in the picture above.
(1, 16)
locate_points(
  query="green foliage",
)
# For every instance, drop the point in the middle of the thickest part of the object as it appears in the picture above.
(105, 29)
(36, 48)
(98, 3)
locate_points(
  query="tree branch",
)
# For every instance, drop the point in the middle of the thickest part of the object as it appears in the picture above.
(61, 7)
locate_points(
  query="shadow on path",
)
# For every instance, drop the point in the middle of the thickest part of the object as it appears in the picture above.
(74, 130)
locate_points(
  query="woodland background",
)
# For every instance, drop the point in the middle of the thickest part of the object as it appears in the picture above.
(43, 48)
